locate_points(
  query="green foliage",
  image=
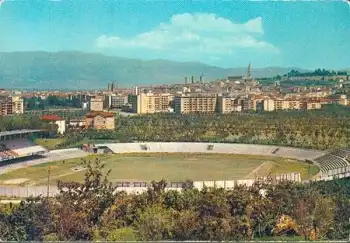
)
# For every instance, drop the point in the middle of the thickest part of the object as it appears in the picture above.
(94, 211)
(122, 234)
(324, 129)
(51, 237)
(155, 223)
(20, 122)
(317, 72)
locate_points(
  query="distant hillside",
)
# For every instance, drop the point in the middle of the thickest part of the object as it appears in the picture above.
(70, 70)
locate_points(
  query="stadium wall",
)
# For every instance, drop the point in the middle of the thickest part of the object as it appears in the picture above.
(342, 172)
(139, 187)
(219, 148)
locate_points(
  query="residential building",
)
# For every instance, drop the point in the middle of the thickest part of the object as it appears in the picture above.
(100, 120)
(313, 105)
(135, 90)
(84, 105)
(77, 123)
(6, 105)
(54, 119)
(116, 101)
(269, 105)
(291, 104)
(248, 104)
(228, 105)
(17, 105)
(195, 103)
(343, 100)
(148, 103)
(96, 103)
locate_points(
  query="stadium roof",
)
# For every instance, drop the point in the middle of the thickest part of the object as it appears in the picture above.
(15, 132)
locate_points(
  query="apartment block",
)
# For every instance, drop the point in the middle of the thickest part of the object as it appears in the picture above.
(268, 105)
(96, 103)
(310, 104)
(17, 105)
(343, 100)
(148, 103)
(100, 120)
(228, 105)
(115, 101)
(6, 106)
(291, 104)
(195, 103)
(248, 104)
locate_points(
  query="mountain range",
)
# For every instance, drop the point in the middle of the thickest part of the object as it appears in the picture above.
(76, 70)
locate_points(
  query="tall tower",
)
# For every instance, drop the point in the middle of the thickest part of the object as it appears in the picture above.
(112, 86)
(186, 80)
(135, 90)
(249, 72)
(201, 78)
(192, 79)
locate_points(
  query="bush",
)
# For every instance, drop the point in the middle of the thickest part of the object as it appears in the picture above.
(122, 234)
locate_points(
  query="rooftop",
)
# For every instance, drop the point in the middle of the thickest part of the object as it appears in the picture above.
(15, 132)
(51, 118)
(99, 113)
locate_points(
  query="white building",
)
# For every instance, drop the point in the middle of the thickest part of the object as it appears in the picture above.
(60, 122)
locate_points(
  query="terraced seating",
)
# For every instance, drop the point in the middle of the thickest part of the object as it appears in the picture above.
(343, 153)
(297, 153)
(329, 162)
(6, 153)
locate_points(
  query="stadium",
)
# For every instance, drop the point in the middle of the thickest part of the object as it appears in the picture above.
(14, 145)
(24, 165)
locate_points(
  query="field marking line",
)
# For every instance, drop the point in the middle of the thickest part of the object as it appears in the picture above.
(256, 171)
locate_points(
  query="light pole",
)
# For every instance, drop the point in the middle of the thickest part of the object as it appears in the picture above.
(48, 181)
(349, 230)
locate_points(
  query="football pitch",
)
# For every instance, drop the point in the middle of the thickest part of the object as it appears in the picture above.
(172, 167)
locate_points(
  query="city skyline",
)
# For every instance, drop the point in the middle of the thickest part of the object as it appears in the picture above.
(225, 34)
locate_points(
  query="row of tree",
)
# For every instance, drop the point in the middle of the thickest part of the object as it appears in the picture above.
(323, 129)
(317, 72)
(92, 211)
(37, 103)
(317, 130)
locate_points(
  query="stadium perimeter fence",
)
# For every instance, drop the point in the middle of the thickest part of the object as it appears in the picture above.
(139, 187)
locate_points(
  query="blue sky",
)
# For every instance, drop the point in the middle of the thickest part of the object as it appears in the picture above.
(222, 33)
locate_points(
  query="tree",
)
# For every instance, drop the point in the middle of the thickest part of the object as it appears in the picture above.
(186, 226)
(155, 224)
(81, 205)
(323, 216)
(29, 221)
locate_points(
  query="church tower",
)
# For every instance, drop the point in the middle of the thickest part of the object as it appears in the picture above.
(249, 72)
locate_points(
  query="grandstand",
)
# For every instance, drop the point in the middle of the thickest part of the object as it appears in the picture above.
(336, 163)
(224, 148)
(15, 144)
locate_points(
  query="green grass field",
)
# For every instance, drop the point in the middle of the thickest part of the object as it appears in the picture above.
(49, 143)
(172, 167)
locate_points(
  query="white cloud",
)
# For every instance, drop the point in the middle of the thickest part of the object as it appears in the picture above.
(190, 34)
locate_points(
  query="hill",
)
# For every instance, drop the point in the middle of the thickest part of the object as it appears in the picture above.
(65, 70)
